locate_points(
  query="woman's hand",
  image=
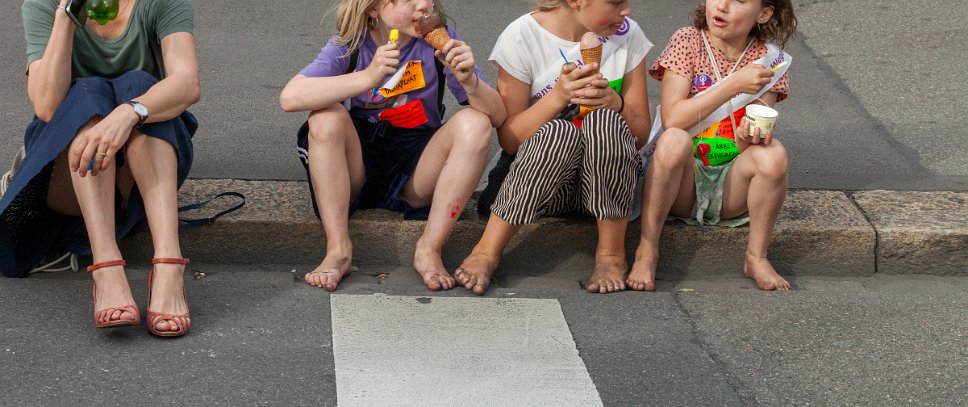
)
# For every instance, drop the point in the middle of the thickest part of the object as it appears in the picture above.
(459, 57)
(102, 141)
(385, 61)
(750, 79)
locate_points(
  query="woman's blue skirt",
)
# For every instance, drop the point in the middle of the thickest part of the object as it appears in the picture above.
(28, 229)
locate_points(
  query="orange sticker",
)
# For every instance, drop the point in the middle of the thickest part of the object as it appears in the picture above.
(412, 78)
(407, 116)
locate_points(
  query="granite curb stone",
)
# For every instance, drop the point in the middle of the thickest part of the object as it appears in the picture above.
(818, 233)
(919, 232)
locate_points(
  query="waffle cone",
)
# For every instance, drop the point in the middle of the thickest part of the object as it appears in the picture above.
(437, 38)
(592, 56)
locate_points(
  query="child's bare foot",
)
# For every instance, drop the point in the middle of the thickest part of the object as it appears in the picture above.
(475, 272)
(428, 264)
(642, 277)
(333, 268)
(609, 275)
(760, 270)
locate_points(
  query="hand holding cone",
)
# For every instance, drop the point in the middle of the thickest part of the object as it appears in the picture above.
(591, 53)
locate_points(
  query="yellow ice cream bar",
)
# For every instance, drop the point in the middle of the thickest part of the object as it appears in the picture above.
(394, 34)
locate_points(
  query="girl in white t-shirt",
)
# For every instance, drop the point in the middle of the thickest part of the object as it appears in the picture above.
(561, 164)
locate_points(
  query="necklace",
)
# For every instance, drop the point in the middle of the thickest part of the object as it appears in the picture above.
(719, 76)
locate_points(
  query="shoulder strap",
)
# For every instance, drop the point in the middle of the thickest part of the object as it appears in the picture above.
(190, 223)
(353, 56)
(440, 89)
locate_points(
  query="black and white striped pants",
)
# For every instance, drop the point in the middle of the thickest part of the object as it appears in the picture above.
(561, 168)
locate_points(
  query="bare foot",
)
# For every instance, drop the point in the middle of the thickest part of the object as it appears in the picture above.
(112, 290)
(329, 273)
(609, 275)
(429, 265)
(642, 277)
(168, 294)
(760, 270)
(476, 271)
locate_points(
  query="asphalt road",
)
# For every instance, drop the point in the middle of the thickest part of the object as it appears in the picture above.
(261, 338)
(877, 99)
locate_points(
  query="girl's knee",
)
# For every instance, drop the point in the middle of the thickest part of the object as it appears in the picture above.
(329, 124)
(772, 159)
(555, 132)
(473, 130)
(673, 146)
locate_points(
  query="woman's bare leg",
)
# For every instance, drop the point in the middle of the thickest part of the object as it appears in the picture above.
(154, 167)
(93, 196)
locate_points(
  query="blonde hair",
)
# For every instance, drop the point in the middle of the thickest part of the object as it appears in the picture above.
(352, 20)
(548, 5)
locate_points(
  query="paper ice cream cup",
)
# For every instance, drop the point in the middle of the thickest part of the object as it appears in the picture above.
(761, 117)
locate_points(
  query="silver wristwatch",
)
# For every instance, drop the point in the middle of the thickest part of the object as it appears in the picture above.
(140, 110)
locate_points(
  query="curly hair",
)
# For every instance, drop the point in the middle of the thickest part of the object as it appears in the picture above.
(781, 27)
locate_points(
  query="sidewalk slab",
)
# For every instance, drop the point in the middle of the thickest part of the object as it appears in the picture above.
(919, 232)
(818, 233)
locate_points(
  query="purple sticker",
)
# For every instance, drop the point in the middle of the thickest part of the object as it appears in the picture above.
(624, 29)
(702, 82)
(375, 95)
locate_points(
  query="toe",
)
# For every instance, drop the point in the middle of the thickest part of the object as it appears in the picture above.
(592, 287)
(479, 289)
(432, 283)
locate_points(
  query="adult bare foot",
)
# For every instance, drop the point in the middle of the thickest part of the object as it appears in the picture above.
(760, 270)
(168, 294)
(476, 271)
(329, 273)
(609, 275)
(431, 268)
(112, 291)
(642, 277)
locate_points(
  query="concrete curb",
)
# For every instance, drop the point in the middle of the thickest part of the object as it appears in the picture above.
(818, 233)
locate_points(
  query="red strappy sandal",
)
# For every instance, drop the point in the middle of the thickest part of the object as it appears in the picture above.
(181, 322)
(102, 318)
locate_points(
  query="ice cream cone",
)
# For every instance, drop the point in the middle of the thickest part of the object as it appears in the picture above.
(592, 56)
(437, 38)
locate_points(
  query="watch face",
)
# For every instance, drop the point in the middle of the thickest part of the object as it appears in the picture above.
(140, 109)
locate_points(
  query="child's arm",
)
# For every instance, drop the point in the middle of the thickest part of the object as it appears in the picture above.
(682, 112)
(636, 112)
(459, 58)
(303, 93)
(524, 121)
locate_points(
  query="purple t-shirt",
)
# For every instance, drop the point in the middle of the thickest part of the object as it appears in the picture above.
(369, 105)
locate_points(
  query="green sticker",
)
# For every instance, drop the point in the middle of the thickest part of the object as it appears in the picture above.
(721, 150)
(616, 85)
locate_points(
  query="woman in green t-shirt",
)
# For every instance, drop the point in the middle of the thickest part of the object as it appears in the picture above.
(107, 150)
